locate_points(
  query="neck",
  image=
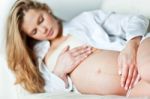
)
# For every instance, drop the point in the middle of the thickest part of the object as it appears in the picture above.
(59, 39)
(58, 42)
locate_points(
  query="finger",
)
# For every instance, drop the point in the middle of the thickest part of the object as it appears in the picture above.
(129, 77)
(82, 52)
(133, 79)
(120, 66)
(80, 59)
(78, 50)
(83, 55)
(73, 66)
(138, 77)
(124, 75)
(65, 49)
(76, 63)
(137, 80)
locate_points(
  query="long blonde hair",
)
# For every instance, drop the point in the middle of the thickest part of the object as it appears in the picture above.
(20, 55)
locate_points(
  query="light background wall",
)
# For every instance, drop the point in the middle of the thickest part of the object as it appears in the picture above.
(7, 90)
(4, 9)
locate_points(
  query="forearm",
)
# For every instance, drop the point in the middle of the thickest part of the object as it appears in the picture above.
(134, 42)
(61, 74)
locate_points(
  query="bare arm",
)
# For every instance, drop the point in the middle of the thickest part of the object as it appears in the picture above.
(127, 63)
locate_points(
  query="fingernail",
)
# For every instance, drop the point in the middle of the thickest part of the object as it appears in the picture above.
(89, 52)
(89, 48)
(85, 46)
(126, 88)
(122, 85)
(119, 72)
(86, 56)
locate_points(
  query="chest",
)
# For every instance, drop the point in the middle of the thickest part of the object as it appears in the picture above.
(53, 54)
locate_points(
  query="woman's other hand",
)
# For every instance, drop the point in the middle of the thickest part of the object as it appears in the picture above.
(69, 59)
(127, 63)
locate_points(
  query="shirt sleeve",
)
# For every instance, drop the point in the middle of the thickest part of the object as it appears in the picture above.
(87, 25)
(55, 84)
(87, 19)
(52, 82)
(135, 26)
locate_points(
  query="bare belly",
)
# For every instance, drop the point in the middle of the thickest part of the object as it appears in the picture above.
(98, 74)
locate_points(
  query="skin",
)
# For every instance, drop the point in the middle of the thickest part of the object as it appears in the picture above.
(43, 27)
(46, 27)
(143, 64)
(100, 74)
(127, 63)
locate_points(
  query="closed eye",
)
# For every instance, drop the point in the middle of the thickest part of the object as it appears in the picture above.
(41, 19)
(34, 31)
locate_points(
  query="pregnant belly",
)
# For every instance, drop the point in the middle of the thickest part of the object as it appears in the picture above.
(98, 74)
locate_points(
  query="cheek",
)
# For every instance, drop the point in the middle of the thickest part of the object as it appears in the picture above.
(49, 19)
(52, 20)
(38, 37)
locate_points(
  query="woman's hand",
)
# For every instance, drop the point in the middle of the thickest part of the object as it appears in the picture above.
(69, 59)
(127, 64)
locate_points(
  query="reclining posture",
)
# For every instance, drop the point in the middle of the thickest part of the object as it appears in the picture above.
(97, 52)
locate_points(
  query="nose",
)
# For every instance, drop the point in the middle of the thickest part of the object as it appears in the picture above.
(42, 29)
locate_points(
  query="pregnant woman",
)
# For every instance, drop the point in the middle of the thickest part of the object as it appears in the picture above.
(84, 55)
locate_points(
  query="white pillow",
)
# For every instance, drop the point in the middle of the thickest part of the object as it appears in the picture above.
(67, 9)
(127, 6)
(7, 88)
(5, 6)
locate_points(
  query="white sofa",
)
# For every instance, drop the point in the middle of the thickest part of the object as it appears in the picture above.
(65, 9)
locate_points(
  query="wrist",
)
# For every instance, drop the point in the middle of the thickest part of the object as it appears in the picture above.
(59, 73)
(62, 75)
(134, 42)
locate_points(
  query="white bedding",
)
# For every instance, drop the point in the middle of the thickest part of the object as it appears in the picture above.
(65, 9)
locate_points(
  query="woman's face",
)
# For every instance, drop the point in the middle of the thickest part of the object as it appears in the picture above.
(40, 25)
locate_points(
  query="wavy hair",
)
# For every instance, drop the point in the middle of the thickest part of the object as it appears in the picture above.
(20, 56)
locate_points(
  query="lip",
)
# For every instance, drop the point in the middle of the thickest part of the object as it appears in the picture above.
(50, 32)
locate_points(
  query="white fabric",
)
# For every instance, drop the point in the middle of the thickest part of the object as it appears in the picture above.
(146, 36)
(107, 30)
(99, 29)
(53, 82)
